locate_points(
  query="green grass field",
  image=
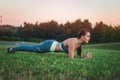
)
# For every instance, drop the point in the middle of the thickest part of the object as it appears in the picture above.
(105, 64)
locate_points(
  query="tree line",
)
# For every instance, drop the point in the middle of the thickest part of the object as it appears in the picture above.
(100, 33)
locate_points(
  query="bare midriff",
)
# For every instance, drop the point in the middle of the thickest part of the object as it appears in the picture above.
(58, 49)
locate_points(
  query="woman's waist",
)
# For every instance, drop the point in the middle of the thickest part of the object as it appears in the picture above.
(61, 47)
(57, 48)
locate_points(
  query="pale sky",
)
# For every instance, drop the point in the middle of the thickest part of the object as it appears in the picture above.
(15, 12)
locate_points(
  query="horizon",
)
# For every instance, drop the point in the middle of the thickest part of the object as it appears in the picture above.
(32, 11)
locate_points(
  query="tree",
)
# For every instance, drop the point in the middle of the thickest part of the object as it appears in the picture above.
(97, 32)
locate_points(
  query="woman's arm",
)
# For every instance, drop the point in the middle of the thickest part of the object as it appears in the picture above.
(79, 52)
(71, 49)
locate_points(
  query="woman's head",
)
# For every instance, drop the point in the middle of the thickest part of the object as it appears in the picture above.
(84, 35)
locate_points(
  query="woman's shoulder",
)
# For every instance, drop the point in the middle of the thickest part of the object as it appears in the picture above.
(70, 40)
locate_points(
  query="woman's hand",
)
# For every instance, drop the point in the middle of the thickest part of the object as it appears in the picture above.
(88, 55)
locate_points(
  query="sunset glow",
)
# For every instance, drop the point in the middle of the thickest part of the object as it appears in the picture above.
(15, 12)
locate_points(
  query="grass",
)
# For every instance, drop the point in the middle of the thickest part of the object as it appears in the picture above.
(105, 64)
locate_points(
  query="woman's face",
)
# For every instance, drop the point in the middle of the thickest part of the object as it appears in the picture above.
(86, 37)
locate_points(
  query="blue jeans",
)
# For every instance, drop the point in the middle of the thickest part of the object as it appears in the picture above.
(39, 48)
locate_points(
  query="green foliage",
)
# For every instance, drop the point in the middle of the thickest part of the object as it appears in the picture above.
(35, 40)
(52, 30)
(58, 66)
(9, 39)
(106, 46)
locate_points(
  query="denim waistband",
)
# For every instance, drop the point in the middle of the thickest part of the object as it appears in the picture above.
(53, 46)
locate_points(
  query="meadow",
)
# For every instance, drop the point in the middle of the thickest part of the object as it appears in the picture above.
(104, 65)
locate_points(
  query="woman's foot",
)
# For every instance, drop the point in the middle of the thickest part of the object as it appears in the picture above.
(10, 50)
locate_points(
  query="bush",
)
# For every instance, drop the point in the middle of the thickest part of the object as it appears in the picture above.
(35, 40)
(5, 38)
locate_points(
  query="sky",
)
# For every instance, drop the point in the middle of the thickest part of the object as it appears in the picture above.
(16, 12)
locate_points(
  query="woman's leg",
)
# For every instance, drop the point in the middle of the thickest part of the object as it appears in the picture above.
(26, 48)
(39, 48)
(33, 48)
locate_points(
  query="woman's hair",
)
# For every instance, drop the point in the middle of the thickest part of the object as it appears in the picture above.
(79, 51)
(82, 32)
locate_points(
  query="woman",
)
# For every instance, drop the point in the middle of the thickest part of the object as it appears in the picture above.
(68, 46)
